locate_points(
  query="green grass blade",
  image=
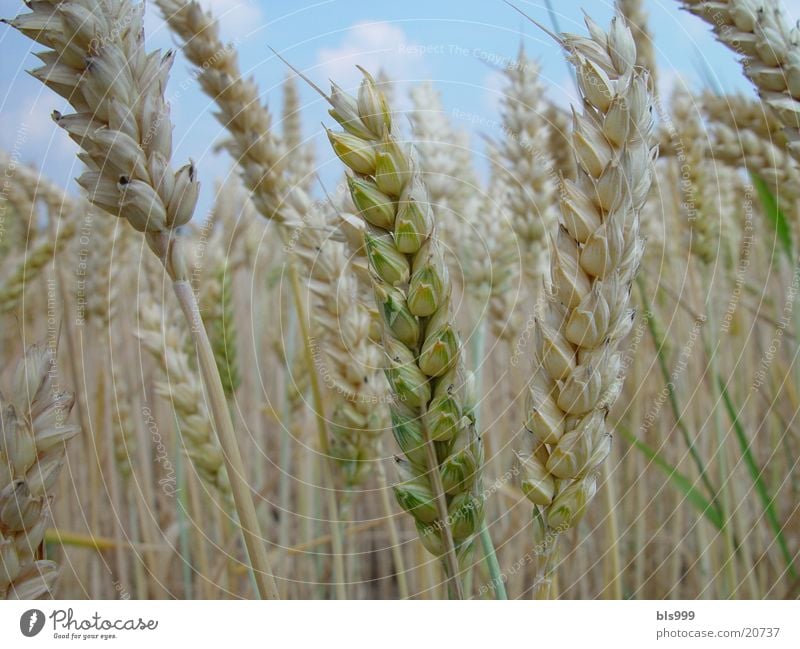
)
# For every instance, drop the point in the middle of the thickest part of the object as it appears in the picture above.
(678, 480)
(756, 475)
(774, 214)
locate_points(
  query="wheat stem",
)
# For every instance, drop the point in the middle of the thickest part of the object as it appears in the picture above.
(218, 405)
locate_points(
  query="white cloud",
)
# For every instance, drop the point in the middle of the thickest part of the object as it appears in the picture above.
(374, 45)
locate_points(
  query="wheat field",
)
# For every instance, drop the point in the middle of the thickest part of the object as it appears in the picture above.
(385, 358)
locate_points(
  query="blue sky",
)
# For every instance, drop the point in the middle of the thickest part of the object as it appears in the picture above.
(457, 44)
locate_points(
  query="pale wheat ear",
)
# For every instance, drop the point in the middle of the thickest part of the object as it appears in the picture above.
(766, 45)
(578, 373)
(34, 419)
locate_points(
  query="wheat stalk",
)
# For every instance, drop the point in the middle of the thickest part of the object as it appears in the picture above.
(757, 31)
(33, 430)
(594, 257)
(95, 59)
(431, 414)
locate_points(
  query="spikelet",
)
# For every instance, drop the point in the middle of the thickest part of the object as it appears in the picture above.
(431, 413)
(530, 178)
(33, 432)
(756, 30)
(636, 19)
(181, 388)
(96, 60)
(577, 369)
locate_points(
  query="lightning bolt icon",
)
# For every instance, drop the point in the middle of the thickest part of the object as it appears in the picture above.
(32, 620)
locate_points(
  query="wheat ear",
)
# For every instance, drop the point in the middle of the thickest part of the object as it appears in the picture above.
(354, 367)
(757, 31)
(694, 173)
(431, 413)
(33, 432)
(185, 394)
(740, 112)
(498, 281)
(95, 59)
(30, 264)
(594, 257)
(27, 190)
(559, 129)
(744, 134)
(530, 180)
(253, 144)
(216, 302)
(261, 158)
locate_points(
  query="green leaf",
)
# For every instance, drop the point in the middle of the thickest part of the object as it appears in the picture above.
(756, 475)
(774, 214)
(678, 479)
